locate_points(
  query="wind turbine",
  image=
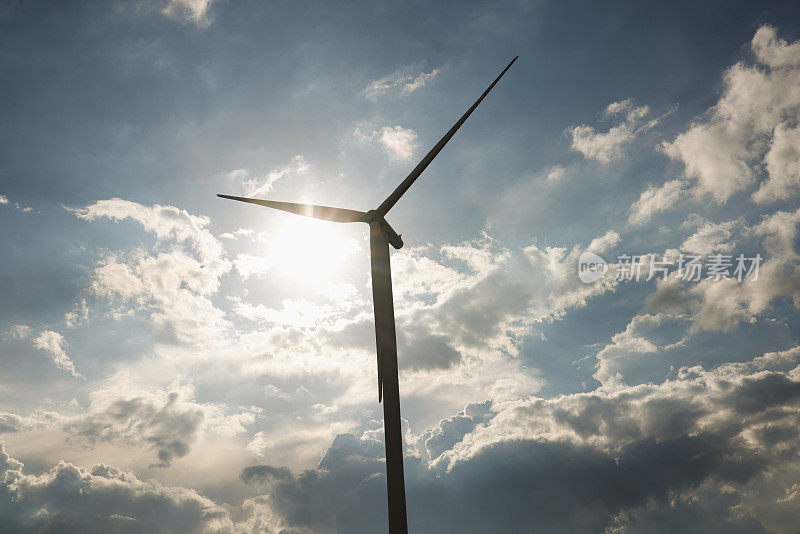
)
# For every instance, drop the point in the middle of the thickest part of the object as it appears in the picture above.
(381, 235)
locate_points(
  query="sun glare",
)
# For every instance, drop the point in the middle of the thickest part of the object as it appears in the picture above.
(310, 250)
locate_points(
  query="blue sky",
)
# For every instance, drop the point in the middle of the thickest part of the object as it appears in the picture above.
(176, 362)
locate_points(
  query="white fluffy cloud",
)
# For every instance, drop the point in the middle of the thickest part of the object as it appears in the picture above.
(751, 124)
(655, 200)
(195, 11)
(53, 343)
(399, 142)
(721, 305)
(173, 285)
(607, 146)
(78, 316)
(783, 166)
(166, 222)
(712, 237)
(249, 265)
(69, 498)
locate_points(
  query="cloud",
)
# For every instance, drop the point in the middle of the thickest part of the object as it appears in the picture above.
(166, 222)
(169, 428)
(259, 186)
(131, 421)
(174, 285)
(419, 81)
(696, 443)
(69, 498)
(78, 316)
(721, 305)
(257, 445)
(23, 209)
(712, 237)
(168, 420)
(580, 462)
(556, 174)
(645, 351)
(751, 124)
(10, 422)
(604, 243)
(399, 142)
(435, 441)
(424, 349)
(406, 83)
(194, 11)
(607, 146)
(293, 313)
(726, 303)
(249, 265)
(53, 343)
(249, 233)
(510, 292)
(774, 51)
(465, 310)
(783, 166)
(655, 200)
(38, 420)
(18, 331)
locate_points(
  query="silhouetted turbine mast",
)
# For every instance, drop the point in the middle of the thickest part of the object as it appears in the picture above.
(381, 235)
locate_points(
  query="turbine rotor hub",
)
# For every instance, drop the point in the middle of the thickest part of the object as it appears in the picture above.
(392, 237)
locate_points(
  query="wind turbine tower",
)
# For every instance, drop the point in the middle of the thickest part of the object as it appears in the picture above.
(381, 235)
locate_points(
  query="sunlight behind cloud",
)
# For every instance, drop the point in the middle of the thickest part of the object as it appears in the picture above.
(309, 251)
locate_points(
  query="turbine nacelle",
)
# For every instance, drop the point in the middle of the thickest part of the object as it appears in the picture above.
(392, 237)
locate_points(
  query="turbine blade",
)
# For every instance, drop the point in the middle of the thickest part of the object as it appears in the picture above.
(385, 335)
(392, 199)
(309, 210)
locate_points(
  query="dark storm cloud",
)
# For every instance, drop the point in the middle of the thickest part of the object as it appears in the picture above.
(68, 498)
(169, 429)
(579, 463)
(425, 350)
(266, 474)
(518, 486)
(657, 456)
(421, 348)
(452, 430)
(10, 423)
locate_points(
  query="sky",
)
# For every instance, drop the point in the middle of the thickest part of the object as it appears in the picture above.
(176, 362)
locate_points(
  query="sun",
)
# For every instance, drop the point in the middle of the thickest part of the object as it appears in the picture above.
(309, 250)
